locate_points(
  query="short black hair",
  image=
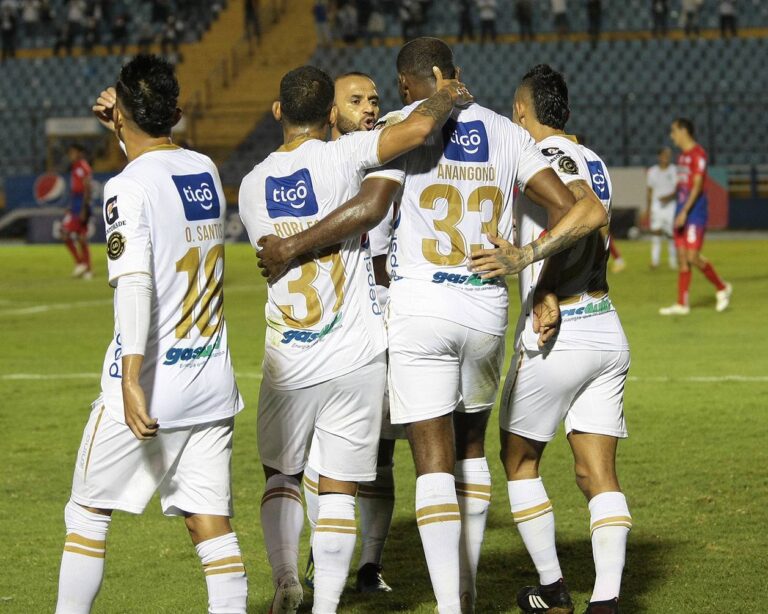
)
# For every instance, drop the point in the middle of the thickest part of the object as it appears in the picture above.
(687, 124)
(549, 93)
(306, 96)
(417, 57)
(149, 92)
(355, 73)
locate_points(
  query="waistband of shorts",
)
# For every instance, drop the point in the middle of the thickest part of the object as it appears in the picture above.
(578, 298)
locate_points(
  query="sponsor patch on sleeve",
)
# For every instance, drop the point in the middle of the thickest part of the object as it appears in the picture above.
(115, 245)
(568, 166)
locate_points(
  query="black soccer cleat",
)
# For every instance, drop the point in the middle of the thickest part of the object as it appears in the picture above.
(369, 580)
(549, 599)
(611, 606)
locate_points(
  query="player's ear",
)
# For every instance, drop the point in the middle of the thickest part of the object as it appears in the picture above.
(177, 116)
(334, 115)
(277, 112)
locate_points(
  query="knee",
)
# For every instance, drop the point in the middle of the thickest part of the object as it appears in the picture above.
(202, 527)
(594, 480)
(520, 463)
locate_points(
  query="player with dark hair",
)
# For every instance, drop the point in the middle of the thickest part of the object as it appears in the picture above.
(691, 220)
(324, 363)
(74, 226)
(576, 375)
(164, 420)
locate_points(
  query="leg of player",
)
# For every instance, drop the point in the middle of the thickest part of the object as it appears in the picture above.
(334, 542)
(85, 254)
(535, 520)
(655, 249)
(671, 252)
(377, 503)
(282, 519)
(82, 563)
(437, 508)
(311, 497)
(473, 490)
(723, 289)
(219, 551)
(610, 521)
(681, 307)
(618, 262)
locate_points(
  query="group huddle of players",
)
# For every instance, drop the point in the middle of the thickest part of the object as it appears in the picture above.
(386, 250)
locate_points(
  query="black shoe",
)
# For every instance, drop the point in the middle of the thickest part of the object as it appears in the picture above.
(550, 599)
(369, 580)
(611, 606)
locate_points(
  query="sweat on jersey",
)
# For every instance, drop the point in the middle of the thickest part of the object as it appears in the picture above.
(458, 188)
(323, 316)
(164, 216)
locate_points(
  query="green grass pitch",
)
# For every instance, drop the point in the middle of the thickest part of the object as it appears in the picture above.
(694, 468)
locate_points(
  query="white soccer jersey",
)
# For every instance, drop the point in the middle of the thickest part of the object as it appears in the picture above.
(323, 318)
(165, 216)
(583, 288)
(663, 182)
(458, 189)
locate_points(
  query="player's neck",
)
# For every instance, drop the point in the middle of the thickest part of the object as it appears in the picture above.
(294, 136)
(539, 132)
(136, 145)
(688, 146)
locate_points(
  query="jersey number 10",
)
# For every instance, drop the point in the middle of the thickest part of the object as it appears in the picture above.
(203, 302)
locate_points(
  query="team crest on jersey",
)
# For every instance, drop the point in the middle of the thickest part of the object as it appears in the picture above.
(111, 213)
(115, 245)
(599, 179)
(465, 141)
(291, 196)
(568, 166)
(198, 195)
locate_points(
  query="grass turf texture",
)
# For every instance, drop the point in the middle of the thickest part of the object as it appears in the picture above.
(693, 469)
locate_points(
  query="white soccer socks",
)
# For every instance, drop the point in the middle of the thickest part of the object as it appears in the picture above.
(311, 481)
(224, 574)
(532, 513)
(82, 564)
(282, 518)
(655, 250)
(473, 489)
(333, 547)
(377, 502)
(439, 521)
(610, 523)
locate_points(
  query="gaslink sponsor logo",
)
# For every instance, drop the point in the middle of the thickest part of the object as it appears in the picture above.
(442, 277)
(590, 309)
(308, 336)
(186, 355)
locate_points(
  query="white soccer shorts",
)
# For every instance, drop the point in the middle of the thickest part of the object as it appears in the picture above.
(190, 466)
(336, 424)
(389, 431)
(437, 366)
(662, 218)
(584, 388)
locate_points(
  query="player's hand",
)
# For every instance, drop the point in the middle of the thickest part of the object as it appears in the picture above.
(506, 259)
(546, 316)
(135, 408)
(272, 257)
(103, 108)
(680, 219)
(459, 92)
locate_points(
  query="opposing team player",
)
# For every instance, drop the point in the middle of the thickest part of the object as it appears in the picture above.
(324, 366)
(577, 376)
(165, 415)
(660, 210)
(74, 226)
(445, 325)
(691, 220)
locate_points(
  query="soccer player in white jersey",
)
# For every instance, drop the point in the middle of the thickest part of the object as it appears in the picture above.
(324, 365)
(577, 376)
(660, 209)
(164, 419)
(445, 325)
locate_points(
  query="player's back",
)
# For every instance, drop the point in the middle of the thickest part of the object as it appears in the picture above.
(323, 319)
(690, 164)
(164, 216)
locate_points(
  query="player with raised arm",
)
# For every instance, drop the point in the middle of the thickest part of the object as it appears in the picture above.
(577, 376)
(324, 365)
(691, 220)
(74, 226)
(661, 181)
(164, 419)
(445, 325)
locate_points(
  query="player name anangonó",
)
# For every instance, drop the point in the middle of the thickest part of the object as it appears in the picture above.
(286, 229)
(471, 173)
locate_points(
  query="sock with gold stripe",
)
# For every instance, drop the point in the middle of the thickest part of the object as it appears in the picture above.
(224, 574)
(377, 502)
(473, 489)
(610, 523)
(282, 519)
(311, 479)
(532, 513)
(82, 564)
(439, 521)
(333, 548)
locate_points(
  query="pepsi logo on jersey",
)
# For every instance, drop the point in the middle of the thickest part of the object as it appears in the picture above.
(198, 195)
(465, 141)
(292, 196)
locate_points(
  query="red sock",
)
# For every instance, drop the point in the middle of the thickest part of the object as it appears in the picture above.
(72, 249)
(683, 283)
(615, 253)
(712, 276)
(86, 257)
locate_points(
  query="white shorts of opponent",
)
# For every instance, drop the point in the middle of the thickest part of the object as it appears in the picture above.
(662, 218)
(584, 388)
(189, 466)
(334, 425)
(437, 366)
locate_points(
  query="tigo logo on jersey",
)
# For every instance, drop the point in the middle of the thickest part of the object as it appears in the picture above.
(291, 196)
(599, 179)
(199, 196)
(465, 141)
